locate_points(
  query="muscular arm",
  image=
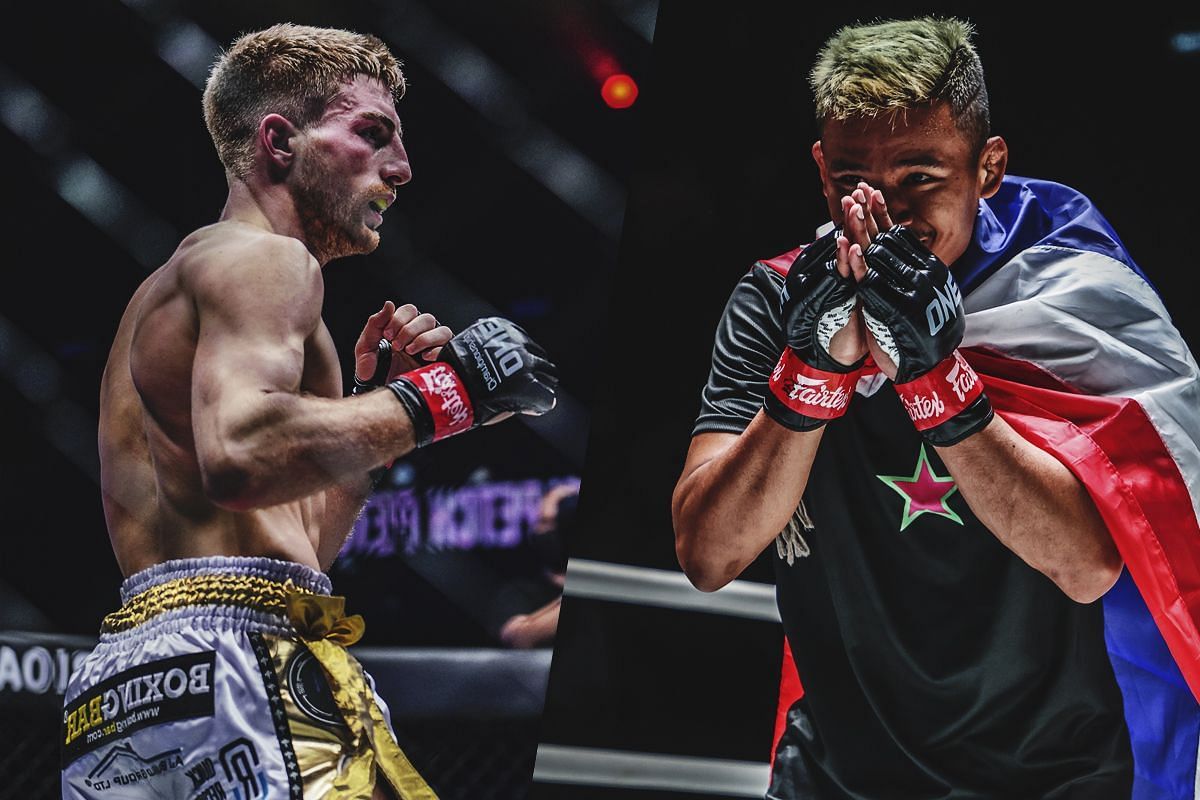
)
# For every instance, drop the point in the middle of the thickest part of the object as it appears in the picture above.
(745, 472)
(259, 440)
(1028, 499)
(1037, 508)
(736, 493)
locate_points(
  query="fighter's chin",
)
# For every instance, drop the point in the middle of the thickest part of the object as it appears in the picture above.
(947, 252)
(359, 244)
(360, 239)
(367, 240)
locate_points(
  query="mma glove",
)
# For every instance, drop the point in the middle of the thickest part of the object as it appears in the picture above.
(489, 368)
(808, 387)
(913, 308)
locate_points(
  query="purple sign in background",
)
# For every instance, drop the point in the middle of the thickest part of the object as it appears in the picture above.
(485, 516)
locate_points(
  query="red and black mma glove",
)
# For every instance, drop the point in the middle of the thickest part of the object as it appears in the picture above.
(489, 368)
(808, 387)
(913, 308)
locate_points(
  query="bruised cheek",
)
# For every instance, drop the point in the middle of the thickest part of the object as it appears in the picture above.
(343, 154)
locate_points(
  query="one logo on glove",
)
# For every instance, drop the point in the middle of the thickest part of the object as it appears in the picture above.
(944, 307)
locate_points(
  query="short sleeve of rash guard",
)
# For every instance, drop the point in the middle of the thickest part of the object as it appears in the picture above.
(748, 341)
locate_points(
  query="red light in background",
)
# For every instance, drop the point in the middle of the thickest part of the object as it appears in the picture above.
(619, 91)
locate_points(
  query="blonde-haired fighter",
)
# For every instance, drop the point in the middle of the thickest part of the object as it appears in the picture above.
(233, 467)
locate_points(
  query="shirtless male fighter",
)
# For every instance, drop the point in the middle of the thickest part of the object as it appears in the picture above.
(233, 467)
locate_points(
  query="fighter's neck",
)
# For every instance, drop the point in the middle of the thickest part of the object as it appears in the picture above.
(268, 207)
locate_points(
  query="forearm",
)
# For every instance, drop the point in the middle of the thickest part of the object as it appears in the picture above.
(730, 507)
(292, 446)
(1036, 507)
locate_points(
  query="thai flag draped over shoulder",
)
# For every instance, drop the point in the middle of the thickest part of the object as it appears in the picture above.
(1078, 354)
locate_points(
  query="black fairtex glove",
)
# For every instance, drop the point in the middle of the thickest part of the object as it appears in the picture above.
(807, 387)
(489, 368)
(913, 308)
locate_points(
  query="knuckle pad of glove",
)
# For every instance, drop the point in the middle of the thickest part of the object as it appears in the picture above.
(926, 317)
(881, 297)
(819, 251)
(499, 364)
(819, 290)
(904, 242)
(811, 265)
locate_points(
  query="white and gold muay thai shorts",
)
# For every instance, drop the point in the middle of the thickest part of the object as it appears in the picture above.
(228, 679)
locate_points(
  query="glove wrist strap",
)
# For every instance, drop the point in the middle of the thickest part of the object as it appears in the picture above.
(437, 401)
(946, 404)
(802, 397)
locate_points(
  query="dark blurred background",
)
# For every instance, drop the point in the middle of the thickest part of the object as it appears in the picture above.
(1104, 102)
(516, 208)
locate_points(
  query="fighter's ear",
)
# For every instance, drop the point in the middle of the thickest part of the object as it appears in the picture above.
(993, 162)
(819, 156)
(275, 134)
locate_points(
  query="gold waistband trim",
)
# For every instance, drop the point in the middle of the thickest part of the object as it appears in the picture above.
(237, 591)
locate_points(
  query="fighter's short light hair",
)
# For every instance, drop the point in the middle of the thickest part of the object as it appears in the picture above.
(286, 69)
(865, 70)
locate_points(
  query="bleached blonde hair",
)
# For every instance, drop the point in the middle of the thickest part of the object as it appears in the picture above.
(865, 70)
(291, 70)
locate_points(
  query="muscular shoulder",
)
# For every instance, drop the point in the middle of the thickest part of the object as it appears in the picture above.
(230, 264)
(234, 251)
(758, 292)
(746, 345)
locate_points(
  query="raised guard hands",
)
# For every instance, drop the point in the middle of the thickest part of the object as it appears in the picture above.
(489, 370)
(913, 309)
(808, 386)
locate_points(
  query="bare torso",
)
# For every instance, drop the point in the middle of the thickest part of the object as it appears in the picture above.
(154, 499)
